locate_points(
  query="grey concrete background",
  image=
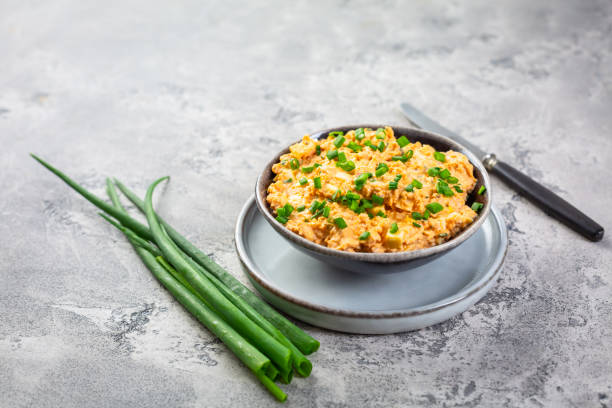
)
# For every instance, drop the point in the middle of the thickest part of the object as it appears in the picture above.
(207, 92)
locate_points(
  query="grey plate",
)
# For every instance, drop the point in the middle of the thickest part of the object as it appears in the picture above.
(325, 296)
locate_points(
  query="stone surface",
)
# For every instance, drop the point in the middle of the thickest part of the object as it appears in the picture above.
(207, 93)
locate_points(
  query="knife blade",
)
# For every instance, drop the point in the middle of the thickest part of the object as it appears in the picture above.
(548, 201)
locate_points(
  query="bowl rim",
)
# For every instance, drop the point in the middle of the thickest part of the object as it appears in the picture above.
(378, 257)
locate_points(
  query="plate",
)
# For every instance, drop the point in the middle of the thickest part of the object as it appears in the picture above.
(322, 295)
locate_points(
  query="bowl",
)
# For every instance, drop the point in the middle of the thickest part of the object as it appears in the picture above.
(388, 262)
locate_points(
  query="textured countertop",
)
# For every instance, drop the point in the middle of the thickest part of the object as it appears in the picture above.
(207, 93)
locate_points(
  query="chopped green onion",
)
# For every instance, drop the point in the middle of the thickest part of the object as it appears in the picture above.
(381, 214)
(370, 145)
(381, 169)
(326, 211)
(416, 224)
(336, 194)
(359, 134)
(409, 154)
(417, 183)
(308, 169)
(365, 203)
(303, 181)
(364, 235)
(409, 188)
(401, 158)
(289, 180)
(332, 154)
(378, 200)
(452, 180)
(281, 212)
(417, 216)
(318, 149)
(314, 206)
(352, 196)
(288, 209)
(434, 207)
(354, 146)
(354, 205)
(337, 133)
(477, 206)
(370, 216)
(444, 189)
(426, 215)
(441, 157)
(301, 208)
(380, 133)
(316, 165)
(339, 141)
(381, 146)
(317, 182)
(393, 185)
(346, 165)
(442, 235)
(458, 189)
(403, 141)
(341, 157)
(294, 163)
(481, 190)
(444, 174)
(340, 223)
(281, 219)
(393, 228)
(433, 171)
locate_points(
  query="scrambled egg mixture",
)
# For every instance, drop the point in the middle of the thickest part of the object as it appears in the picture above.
(368, 191)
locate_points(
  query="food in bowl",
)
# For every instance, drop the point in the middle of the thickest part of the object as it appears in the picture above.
(367, 191)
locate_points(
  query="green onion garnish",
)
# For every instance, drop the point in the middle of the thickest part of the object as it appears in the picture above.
(317, 182)
(337, 133)
(354, 146)
(281, 219)
(314, 206)
(381, 214)
(378, 200)
(326, 211)
(370, 145)
(444, 174)
(426, 215)
(289, 180)
(308, 169)
(381, 146)
(288, 209)
(294, 163)
(359, 134)
(336, 194)
(340, 223)
(364, 235)
(452, 180)
(433, 171)
(416, 224)
(440, 157)
(318, 149)
(477, 206)
(354, 205)
(381, 169)
(444, 189)
(434, 207)
(301, 208)
(417, 183)
(380, 133)
(339, 141)
(303, 181)
(346, 165)
(481, 190)
(416, 215)
(409, 154)
(458, 189)
(365, 203)
(401, 158)
(352, 196)
(332, 154)
(409, 188)
(442, 235)
(393, 184)
(341, 157)
(393, 228)
(403, 141)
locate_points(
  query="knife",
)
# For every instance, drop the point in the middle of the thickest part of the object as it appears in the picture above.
(548, 201)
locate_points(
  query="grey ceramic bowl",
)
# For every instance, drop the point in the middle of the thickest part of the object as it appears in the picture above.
(377, 263)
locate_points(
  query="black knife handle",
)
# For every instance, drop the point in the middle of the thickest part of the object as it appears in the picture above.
(548, 201)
